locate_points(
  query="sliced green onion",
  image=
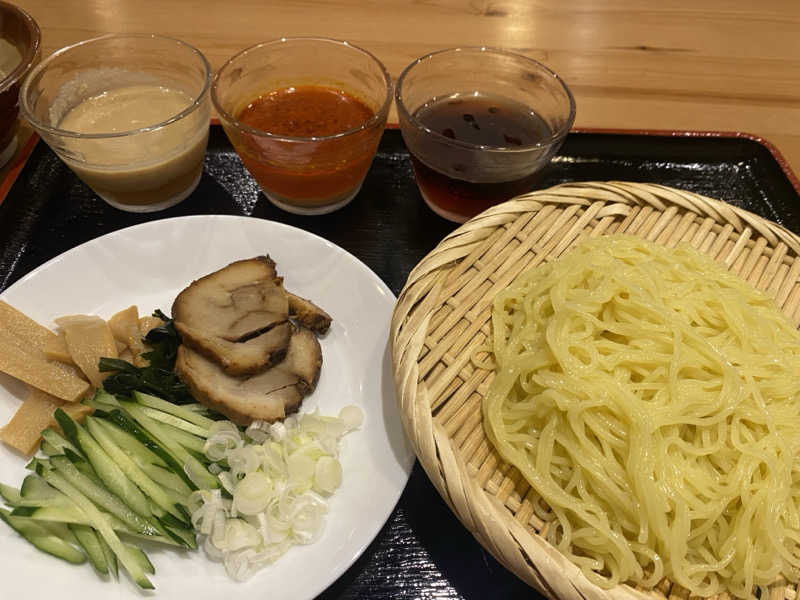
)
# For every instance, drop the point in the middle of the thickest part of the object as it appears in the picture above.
(279, 476)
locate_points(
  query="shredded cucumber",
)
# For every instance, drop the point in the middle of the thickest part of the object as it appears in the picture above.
(131, 468)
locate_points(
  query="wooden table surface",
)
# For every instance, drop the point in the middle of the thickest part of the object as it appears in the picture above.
(711, 65)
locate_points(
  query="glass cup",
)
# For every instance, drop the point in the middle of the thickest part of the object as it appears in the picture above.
(129, 114)
(480, 123)
(19, 50)
(305, 116)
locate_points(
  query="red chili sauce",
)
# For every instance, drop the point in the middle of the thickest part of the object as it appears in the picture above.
(308, 172)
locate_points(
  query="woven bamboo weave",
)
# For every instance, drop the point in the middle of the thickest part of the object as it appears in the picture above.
(443, 316)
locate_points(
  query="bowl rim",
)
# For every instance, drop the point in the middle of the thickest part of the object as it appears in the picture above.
(554, 139)
(380, 115)
(31, 51)
(42, 127)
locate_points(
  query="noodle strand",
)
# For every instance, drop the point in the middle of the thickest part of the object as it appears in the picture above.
(652, 400)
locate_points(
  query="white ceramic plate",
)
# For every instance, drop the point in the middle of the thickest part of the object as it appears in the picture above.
(148, 265)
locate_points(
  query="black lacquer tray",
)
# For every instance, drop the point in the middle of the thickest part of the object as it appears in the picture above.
(422, 551)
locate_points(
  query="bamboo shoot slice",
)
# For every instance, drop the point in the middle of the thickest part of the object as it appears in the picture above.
(16, 326)
(56, 349)
(19, 360)
(89, 338)
(125, 328)
(22, 326)
(148, 322)
(23, 432)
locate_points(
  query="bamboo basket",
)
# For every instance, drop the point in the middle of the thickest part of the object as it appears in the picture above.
(443, 315)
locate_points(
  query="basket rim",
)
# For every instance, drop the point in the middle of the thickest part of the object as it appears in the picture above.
(522, 551)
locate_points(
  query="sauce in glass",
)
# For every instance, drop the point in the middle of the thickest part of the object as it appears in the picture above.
(306, 171)
(305, 111)
(141, 169)
(485, 121)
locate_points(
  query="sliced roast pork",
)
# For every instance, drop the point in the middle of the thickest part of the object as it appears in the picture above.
(268, 395)
(238, 316)
(308, 314)
(249, 348)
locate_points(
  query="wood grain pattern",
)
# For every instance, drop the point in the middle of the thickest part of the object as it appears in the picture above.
(730, 65)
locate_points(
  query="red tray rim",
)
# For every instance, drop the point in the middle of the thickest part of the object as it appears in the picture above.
(22, 157)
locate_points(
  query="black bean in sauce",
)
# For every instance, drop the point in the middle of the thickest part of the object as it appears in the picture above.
(485, 120)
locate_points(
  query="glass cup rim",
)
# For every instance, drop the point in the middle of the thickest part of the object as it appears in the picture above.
(31, 52)
(379, 115)
(57, 131)
(555, 138)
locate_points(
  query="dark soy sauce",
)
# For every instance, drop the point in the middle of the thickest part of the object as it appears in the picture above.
(481, 120)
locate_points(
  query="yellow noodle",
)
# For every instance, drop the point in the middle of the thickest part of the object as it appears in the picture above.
(652, 400)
